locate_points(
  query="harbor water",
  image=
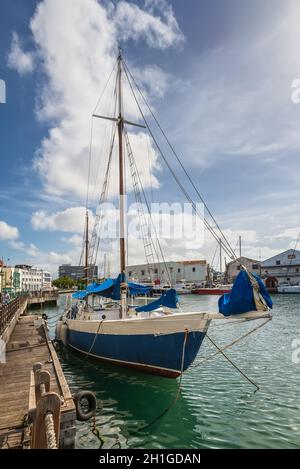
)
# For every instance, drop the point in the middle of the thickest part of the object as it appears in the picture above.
(217, 407)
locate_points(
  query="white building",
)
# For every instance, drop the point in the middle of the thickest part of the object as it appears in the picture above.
(282, 268)
(32, 279)
(180, 271)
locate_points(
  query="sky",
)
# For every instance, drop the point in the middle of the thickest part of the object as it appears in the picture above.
(217, 73)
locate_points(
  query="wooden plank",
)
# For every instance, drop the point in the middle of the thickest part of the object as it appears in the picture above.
(29, 343)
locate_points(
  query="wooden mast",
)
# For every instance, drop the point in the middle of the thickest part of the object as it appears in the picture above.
(120, 124)
(121, 168)
(86, 264)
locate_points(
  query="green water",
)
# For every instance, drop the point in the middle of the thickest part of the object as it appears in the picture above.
(217, 408)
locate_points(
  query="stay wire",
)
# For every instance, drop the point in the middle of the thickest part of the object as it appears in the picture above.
(227, 249)
(152, 222)
(231, 253)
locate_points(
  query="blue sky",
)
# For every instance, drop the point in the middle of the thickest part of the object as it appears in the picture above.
(217, 72)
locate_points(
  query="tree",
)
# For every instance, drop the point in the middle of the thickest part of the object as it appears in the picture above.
(64, 283)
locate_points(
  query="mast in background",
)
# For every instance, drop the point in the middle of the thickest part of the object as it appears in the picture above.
(240, 247)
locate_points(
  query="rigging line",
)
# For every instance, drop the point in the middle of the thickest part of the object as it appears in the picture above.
(91, 136)
(179, 161)
(149, 164)
(233, 364)
(100, 216)
(106, 85)
(89, 166)
(112, 108)
(212, 262)
(207, 225)
(231, 344)
(152, 222)
(144, 222)
(228, 248)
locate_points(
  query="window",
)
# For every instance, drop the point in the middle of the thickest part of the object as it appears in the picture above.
(288, 279)
(238, 267)
(142, 272)
(277, 262)
(291, 256)
(194, 269)
(129, 273)
(255, 266)
(178, 271)
(297, 269)
(156, 271)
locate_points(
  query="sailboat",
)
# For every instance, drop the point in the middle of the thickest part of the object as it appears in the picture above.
(154, 337)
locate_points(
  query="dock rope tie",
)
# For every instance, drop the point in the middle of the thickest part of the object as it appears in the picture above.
(50, 432)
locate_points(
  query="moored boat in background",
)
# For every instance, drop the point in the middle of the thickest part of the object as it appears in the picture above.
(287, 288)
(212, 290)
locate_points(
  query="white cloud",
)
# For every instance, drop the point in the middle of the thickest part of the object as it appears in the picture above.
(156, 24)
(19, 60)
(75, 240)
(69, 220)
(77, 51)
(30, 249)
(8, 232)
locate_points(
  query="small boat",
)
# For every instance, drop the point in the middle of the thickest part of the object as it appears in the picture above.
(287, 288)
(105, 324)
(212, 290)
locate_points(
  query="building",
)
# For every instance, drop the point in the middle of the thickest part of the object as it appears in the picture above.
(180, 271)
(282, 268)
(24, 278)
(233, 268)
(10, 280)
(77, 272)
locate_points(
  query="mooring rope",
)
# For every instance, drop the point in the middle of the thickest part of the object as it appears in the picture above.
(50, 431)
(95, 429)
(93, 343)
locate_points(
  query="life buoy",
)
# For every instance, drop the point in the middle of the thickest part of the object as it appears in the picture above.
(44, 316)
(85, 414)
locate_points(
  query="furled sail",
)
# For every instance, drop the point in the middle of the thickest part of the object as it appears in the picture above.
(168, 299)
(248, 294)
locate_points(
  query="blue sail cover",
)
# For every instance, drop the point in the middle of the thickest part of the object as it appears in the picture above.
(168, 299)
(110, 288)
(79, 295)
(241, 299)
(137, 289)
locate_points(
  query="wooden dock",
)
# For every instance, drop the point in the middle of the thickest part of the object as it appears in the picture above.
(27, 345)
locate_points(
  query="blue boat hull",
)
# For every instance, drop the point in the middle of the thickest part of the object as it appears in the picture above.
(156, 354)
